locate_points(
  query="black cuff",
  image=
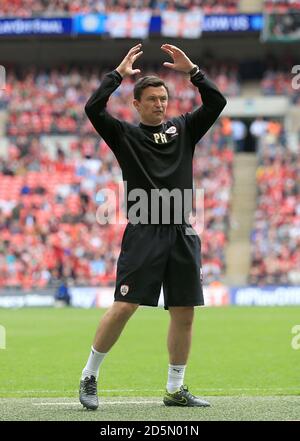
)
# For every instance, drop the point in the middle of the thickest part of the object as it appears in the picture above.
(194, 71)
(198, 77)
(118, 75)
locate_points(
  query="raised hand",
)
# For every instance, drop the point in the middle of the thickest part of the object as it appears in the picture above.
(125, 67)
(180, 61)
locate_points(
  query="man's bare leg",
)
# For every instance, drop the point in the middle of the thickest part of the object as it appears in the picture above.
(108, 332)
(112, 324)
(179, 343)
(180, 333)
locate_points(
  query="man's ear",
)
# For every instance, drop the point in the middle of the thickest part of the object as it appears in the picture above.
(136, 104)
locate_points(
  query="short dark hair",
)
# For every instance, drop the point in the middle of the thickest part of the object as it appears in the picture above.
(148, 81)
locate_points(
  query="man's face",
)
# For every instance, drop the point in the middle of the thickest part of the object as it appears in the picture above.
(152, 105)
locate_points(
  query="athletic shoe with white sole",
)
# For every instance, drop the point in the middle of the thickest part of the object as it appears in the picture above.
(182, 397)
(88, 393)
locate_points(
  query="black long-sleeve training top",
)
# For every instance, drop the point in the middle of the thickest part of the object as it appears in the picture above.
(155, 157)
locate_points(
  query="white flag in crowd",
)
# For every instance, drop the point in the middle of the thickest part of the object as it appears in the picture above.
(132, 24)
(182, 24)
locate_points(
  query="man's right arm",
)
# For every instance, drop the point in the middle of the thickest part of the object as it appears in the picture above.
(106, 125)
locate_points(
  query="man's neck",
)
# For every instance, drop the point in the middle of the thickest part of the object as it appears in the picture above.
(145, 123)
(151, 128)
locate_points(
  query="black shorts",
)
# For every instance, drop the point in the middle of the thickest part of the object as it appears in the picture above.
(156, 255)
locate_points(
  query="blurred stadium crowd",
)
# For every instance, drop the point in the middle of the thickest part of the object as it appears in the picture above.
(52, 102)
(33, 8)
(50, 186)
(277, 79)
(275, 237)
(281, 5)
(55, 167)
(29, 8)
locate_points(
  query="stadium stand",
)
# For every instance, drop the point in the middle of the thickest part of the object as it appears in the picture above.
(31, 8)
(276, 232)
(55, 166)
(52, 102)
(281, 5)
(280, 83)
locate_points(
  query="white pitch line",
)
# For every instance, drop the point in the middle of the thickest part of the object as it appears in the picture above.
(198, 390)
(55, 404)
(101, 404)
(47, 391)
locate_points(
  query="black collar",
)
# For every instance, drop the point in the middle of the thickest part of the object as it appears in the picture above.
(153, 129)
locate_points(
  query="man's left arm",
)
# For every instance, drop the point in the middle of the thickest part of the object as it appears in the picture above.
(213, 102)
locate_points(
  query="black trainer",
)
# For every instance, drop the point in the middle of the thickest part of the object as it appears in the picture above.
(184, 398)
(88, 393)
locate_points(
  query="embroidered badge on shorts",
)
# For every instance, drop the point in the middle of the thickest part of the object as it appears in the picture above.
(124, 290)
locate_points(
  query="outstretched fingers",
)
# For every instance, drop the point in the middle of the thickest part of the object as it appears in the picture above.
(169, 65)
(134, 49)
(136, 56)
(125, 67)
(168, 49)
(175, 48)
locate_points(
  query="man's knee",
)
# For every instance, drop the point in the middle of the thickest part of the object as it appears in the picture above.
(182, 316)
(123, 310)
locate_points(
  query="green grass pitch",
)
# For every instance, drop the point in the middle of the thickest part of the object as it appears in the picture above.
(237, 354)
